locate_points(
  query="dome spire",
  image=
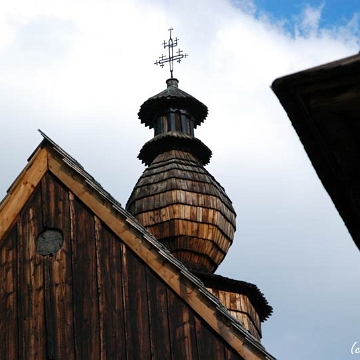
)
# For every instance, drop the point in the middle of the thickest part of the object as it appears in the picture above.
(179, 55)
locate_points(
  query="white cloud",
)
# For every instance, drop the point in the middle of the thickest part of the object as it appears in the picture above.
(309, 21)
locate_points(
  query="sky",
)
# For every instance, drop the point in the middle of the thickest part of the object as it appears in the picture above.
(80, 70)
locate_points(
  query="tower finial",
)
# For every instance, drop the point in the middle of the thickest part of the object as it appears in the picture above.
(171, 57)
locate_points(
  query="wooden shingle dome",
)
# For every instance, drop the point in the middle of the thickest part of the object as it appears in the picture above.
(176, 198)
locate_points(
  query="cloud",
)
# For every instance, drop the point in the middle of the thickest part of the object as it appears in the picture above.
(308, 22)
(44, 39)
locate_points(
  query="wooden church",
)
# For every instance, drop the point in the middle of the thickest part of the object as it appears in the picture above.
(81, 277)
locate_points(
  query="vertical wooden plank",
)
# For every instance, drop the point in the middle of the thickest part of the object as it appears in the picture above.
(85, 296)
(112, 333)
(20, 293)
(119, 321)
(57, 270)
(125, 302)
(32, 342)
(8, 296)
(137, 304)
(48, 208)
(99, 271)
(232, 355)
(158, 317)
(182, 332)
(50, 325)
(208, 343)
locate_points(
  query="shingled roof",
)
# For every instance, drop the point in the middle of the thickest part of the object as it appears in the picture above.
(177, 98)
(172, 140)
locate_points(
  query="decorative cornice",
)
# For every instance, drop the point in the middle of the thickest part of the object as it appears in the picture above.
(174, 140)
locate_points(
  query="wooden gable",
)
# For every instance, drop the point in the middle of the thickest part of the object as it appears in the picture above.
(109, 290)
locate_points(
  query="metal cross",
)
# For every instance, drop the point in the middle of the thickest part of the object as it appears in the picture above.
(170, 59)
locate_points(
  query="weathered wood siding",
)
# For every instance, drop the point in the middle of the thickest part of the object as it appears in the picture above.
(240, 307)
(94, 298)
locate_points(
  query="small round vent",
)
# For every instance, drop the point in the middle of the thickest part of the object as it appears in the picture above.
(49, 242)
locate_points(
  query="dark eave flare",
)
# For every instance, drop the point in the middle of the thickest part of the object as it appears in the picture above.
(323, 104)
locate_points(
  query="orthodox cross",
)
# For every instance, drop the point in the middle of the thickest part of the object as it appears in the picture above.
(171, 57)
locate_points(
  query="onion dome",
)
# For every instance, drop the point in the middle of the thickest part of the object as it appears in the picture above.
(176, 198)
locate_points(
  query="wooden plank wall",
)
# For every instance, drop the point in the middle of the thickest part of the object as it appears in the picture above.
(94, 299)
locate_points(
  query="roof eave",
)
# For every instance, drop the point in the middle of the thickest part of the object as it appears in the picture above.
(317, 101)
